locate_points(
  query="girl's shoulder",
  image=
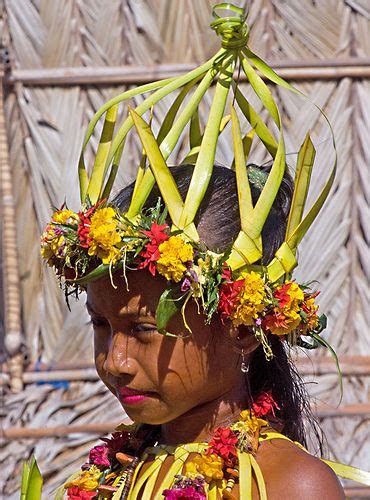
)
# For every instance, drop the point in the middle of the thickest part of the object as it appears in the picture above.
(291, 472)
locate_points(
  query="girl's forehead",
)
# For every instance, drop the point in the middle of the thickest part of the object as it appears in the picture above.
(140, 295)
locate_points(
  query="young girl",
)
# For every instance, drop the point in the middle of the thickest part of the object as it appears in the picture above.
(189, 288)
(187, 388)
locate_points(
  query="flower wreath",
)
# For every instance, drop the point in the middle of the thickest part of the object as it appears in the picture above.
(103, 233)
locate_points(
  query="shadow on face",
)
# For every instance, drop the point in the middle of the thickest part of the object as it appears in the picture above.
(157, 378)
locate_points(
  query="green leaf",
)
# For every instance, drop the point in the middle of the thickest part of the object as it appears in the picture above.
(82, 173)
(307, 345)
(97, 273)
(275, 78)
(32, 481)
(244, 189)
(262, 91)
(305, 161)
(205, 161)
(157, 96)
(24, 483)
(160, 170)
(311, 215)
(113, 172)
(98, 171)
(256, 122)
(326, 344)
(247, 144)
(168, 305)
(195, 134)
(169, 142)
(172, 112)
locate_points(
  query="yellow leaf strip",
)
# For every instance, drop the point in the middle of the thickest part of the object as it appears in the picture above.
(205, 161)
(98, 170)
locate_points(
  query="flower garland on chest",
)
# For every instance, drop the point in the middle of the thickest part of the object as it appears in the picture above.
(110, 469)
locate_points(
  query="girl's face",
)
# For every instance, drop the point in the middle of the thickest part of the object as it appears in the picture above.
(158, 378)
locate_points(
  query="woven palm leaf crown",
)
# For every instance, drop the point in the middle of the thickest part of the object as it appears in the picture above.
(100, 238)
(219, 70)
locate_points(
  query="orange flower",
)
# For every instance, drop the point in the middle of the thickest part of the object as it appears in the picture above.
(286, 316)
(209, 466)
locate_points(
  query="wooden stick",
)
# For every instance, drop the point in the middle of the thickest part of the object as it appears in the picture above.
(355, 410)
(10, 267)
(133, 74)
(62, 430)
(323, 365)
(54, 376)
(356, 492)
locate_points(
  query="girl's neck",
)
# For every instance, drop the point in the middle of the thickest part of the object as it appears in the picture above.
(198, 424)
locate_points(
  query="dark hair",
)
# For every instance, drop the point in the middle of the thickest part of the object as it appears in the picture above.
(218, 224)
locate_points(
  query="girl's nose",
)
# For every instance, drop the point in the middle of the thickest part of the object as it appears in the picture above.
(118, 361)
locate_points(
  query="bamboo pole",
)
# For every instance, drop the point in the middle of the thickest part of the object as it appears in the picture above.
(88, 374)
(133, 74)
(356, 492)
(10, 270)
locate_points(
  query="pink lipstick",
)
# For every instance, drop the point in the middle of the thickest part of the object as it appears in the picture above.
(129, 396)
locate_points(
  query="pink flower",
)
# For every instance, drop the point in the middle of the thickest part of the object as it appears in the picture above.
(99, 456)
(75, 493)
(188, 493)
(264, 405)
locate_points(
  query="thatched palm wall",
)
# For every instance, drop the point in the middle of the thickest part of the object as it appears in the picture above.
(46, 114)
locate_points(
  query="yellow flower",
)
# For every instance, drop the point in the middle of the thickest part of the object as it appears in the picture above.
(105, 241)
(250, 301)
(296, 296)
(53, 243)
(53, 247)
(174, 253)
(87, 480)
(209, 466)
(252, 422)
(62, 216)
(312, 320)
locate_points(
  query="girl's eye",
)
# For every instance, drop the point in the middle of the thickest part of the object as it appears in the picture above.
(143, 327)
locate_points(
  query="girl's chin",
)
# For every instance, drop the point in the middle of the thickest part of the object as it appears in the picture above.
(145, 414)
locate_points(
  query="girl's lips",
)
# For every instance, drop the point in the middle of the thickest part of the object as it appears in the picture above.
(129, 396)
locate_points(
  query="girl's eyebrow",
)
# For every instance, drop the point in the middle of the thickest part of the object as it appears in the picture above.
(142, 312)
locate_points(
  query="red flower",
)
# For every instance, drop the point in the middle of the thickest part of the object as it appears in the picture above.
(116, 443)
(157, 235)
(83, 228)
(76, 494)
(223, 444)
(264, 405)
(228, 295)
(226, 273)
(281, 294)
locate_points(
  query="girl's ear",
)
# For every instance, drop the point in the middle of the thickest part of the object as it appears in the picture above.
(242, 337)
